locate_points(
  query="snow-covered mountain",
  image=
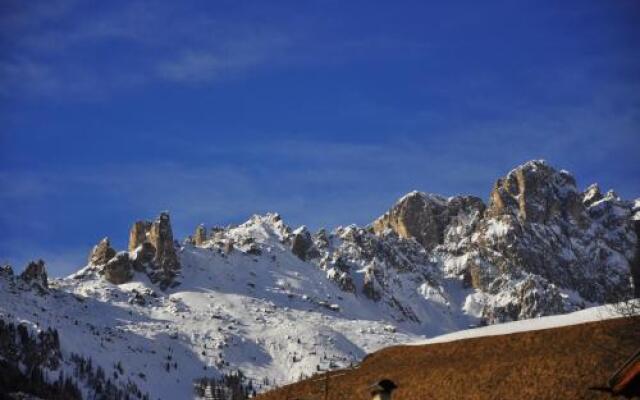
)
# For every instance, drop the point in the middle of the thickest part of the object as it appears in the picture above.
(278, 303)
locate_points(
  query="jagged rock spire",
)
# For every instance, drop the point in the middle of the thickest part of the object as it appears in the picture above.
(36, 273)
(158, 235)
(101, 253)
(200, 235)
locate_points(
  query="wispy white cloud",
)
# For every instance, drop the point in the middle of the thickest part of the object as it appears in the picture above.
(148, 43)
(216, 59)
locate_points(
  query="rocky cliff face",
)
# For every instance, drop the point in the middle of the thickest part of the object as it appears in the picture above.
(539, 237)
(101, 253)
(540, 247)
(159, 235)
(151, 251)
(425, 217)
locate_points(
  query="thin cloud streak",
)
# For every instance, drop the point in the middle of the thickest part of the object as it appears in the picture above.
(153, 35)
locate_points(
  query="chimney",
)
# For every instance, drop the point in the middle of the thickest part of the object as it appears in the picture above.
(382, 390)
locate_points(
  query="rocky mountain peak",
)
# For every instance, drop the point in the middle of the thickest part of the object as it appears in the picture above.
(536, 192)
(537, 226)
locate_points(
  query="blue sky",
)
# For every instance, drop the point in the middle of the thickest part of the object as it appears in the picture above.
(324, 111)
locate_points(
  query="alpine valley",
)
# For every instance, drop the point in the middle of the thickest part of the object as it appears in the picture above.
(242, 309)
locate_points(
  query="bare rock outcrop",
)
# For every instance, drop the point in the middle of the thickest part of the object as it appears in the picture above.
(417, 215)
(156, 235)
(36, 273)
(302, 244)
(537, 193)
(101, 253)
(339, 271)
(143, 256)
(200, 235)
(119, 269)
(138, 234)
(425, 217)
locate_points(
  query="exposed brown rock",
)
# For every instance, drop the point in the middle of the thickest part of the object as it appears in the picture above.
(138, 234)
(101, 253)
(200, 236)
(156, 239)
(36, 273)
(416, 216)
(119, 269)
(535, 192)
(161, 237)
(424, 217)
(145, 253)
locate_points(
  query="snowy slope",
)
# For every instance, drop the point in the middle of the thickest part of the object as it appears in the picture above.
(270, 315)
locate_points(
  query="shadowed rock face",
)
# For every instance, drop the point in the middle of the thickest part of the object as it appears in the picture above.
(200, 235)
(144, 255)
(424, 217)
(302, 244)
(369, 286)
(161, 237)
(156, 235)
(138, 234)
(36, 273)
(119, 269)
